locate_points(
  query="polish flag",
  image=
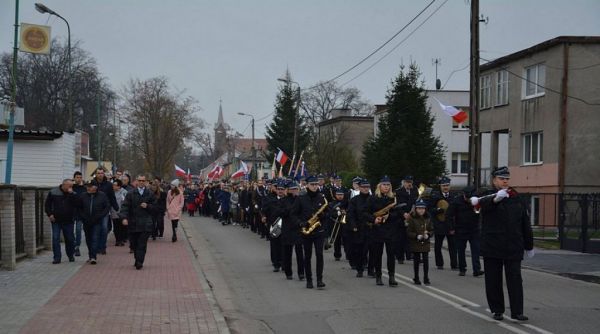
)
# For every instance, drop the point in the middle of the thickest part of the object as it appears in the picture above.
(458, 115)
(281, 157)
(216, 172)
(179, 171)
(240, 172)
(189, 175)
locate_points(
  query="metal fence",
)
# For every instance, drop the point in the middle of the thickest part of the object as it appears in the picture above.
(19, 235)
(40, 197)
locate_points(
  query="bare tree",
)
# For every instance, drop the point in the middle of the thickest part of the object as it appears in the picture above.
(161, 122)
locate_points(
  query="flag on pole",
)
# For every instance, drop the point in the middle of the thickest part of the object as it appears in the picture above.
(240, 172)
(281, 157)
(273, 167)
(189, 175)
(216, 172)
(179, 171)
(458, 115)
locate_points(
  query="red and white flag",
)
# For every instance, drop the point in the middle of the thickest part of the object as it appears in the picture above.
(458, 115)
(189, 175)
(281, 157)
(179, 171)
(240, 172)
(216, 172)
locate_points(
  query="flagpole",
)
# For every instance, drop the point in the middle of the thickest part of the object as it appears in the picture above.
(273, 166)
(292, 164)
(298, 164)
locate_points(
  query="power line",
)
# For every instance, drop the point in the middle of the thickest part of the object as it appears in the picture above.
(379, 48)
(547, 88)
(452, 73)
(396, 46)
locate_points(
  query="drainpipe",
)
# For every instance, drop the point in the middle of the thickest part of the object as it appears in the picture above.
(563, 120)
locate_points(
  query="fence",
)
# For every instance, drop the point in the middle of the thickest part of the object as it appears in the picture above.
(22, 223)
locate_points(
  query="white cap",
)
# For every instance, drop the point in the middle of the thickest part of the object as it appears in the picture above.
(175, 183)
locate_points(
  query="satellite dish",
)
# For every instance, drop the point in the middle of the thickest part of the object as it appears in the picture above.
(438, 84)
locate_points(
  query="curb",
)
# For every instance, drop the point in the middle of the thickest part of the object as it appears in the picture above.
(222, 326)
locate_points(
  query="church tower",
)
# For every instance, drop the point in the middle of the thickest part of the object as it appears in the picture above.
(220, 134)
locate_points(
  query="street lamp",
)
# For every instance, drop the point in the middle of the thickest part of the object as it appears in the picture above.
(45, 10)
(296, 112)
(253, 147)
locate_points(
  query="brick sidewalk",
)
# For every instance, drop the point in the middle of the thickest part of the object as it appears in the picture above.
(166, 296)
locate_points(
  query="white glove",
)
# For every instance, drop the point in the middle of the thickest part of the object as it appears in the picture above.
(474, 200)
(419, 237)
(500, 195)
(426, 236)
(256, 206)
(339, 213)
(529, 253)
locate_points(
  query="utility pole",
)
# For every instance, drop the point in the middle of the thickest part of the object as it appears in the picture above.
(13, 103)
(474, 178)
(99, 146)
(254, 174)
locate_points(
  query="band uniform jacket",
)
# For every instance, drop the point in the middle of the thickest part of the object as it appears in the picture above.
(505, 228)
(439, 227)
(407, 198)
(272, 209)
(139, 219)
(417, 225)
(355, 218)
(305, 207)
(463, 219)
(384, 231)
(290, 230)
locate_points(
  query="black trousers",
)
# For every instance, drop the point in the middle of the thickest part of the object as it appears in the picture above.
(276, 250)
(439, 258)
(174, 224)
(402, 246)
(418, 258)
(287, 259)
(139, 241)
(308, 245)
(493, 285)
(159, 225)
(376, 251)
(337, 244)
(358, 255)
(119, 230)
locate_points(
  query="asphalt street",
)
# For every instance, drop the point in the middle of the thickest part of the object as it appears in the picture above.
(254, 299)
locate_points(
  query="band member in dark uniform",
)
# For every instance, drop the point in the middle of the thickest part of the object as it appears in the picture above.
(465, 223)
(384, 220)
(272, 210)
(407, 196)
(290, 233)
(310, 208)
(506, 234)
(440, 201)
(358, 227)
(259, 193)
(337, 210)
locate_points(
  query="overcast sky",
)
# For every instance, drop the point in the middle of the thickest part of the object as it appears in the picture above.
(236, 50)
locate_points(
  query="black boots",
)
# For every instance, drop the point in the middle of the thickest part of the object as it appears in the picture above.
(320, 284)
(378, 280)
(392, 281)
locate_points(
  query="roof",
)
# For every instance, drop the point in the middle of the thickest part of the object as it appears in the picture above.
(32, 134)
(245, 144)
(540, 47)
(347, 119)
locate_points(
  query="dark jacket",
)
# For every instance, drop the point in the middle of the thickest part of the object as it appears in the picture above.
(463, 219)
(440, 226)
(332, 213)
(62, 205)
(417, 225)
(305, 207)
(94, 207)
(290, 230)
(408, 199)
(358, 228)
(225, 201)
(505, 229)
(390, 228)
(107, 188)
(139, 219)
(161, 205)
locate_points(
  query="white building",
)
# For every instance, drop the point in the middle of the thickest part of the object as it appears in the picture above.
(44, 158)
(455, 137)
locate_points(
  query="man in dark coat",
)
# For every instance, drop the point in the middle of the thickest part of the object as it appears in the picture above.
(271, 211)
(307, 206)
(506, 234)
(94, 207)
(407, 196)
(137, 211)
(105, 186)
(290, 233)
(358, 227)
(61, 207)
(465, 223)
(440, 201)
(78, 189)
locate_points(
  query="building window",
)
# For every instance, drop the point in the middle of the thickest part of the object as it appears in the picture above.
(532, 148)
(535, 78)
(485, 87)
(466, 123)
(501, 87)
(535, 211)
(460, 163)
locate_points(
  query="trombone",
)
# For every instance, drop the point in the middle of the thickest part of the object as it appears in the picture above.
(335, 231)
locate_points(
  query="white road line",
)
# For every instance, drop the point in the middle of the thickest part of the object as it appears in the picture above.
(509, 327)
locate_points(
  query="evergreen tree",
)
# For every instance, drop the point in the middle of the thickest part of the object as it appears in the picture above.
(280, 133)
(405, 144)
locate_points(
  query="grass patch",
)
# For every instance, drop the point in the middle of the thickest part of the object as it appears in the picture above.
(546, 244)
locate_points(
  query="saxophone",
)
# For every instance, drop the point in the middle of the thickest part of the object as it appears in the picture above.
(385, 210)
(314, 222)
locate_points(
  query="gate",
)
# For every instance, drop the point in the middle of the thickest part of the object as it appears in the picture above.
(579, 222)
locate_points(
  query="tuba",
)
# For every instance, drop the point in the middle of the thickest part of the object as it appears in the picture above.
(314, 221)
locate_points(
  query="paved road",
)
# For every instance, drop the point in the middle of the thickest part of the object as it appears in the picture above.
(256, 300)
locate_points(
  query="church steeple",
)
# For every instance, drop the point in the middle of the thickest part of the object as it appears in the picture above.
(220, 120)
(220, 133)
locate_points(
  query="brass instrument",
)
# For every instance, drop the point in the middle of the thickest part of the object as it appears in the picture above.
(275, 229)
(384, 211)
(442, 205)
(335, 231)
(314, 221)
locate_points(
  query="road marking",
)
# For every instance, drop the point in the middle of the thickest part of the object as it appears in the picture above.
(456, 305)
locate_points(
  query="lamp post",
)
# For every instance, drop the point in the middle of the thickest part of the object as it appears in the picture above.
(296, 112)
(253, 174)
(13, 102)
(43, 9)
